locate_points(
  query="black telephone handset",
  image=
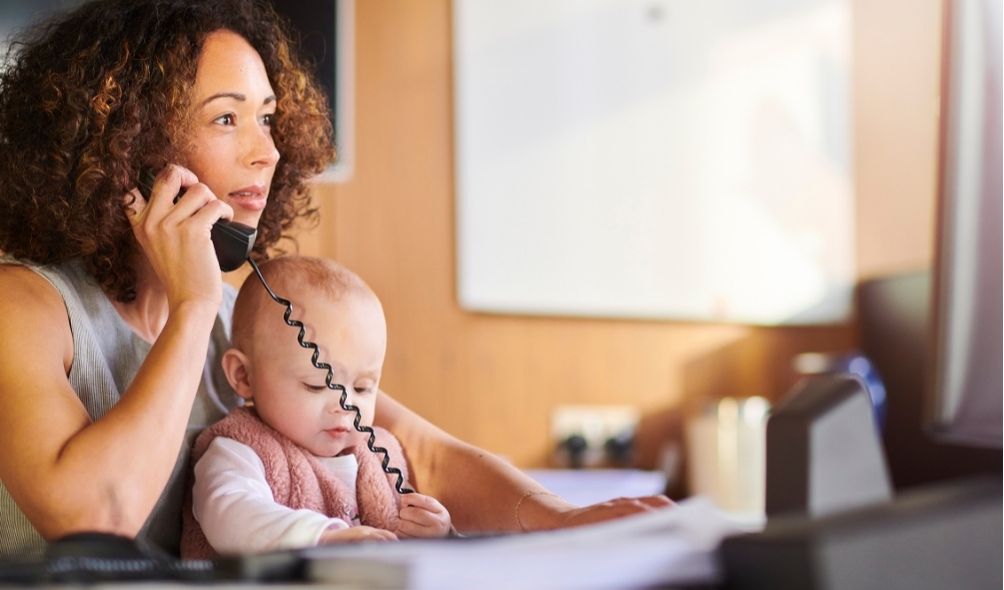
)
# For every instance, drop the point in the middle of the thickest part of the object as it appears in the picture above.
(232, 241)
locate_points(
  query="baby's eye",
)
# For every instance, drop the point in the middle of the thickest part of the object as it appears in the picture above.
(314, 388)
(227, 119)
(363, 390)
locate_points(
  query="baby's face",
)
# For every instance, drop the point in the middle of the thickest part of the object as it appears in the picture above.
(290, 394)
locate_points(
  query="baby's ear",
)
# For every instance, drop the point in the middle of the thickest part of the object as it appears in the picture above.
(236, 367)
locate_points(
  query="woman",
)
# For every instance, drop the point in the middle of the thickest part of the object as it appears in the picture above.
(114, 308)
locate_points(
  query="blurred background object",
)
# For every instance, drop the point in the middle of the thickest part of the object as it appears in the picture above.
(727, 448)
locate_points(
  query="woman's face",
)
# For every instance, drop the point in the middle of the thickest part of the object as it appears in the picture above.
(232, 151)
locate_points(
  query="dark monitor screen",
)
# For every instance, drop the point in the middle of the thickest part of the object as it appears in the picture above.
(965, 385)
(323, 32)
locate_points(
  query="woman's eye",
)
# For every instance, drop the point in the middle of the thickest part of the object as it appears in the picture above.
(268, 120)
(227, 119)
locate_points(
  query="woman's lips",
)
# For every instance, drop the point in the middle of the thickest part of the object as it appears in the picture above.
(250, 198)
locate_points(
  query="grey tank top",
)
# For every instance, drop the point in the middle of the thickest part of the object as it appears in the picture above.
(106, 356)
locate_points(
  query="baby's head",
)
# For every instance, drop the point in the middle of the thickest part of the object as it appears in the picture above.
(267, 365)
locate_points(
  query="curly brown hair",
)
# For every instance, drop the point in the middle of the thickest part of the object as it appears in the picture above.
(90, 97)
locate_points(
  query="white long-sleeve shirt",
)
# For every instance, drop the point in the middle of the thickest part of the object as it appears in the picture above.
(234, 505)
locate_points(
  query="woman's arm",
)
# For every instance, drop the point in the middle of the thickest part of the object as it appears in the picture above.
(65, 472)
(483, 492)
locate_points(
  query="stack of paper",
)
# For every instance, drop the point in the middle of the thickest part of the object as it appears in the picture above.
(672, 546)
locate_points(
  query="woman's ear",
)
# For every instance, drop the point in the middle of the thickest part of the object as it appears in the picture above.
(236, 366)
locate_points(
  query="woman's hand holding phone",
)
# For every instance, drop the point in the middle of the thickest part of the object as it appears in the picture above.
(175, 237)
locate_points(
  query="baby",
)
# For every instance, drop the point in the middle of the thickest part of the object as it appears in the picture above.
(289, 469)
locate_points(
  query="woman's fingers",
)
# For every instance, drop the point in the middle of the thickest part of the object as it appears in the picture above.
(200, 205)
(166, 187)
(175, 237)
(616, 508)
(642, 503)
(659, 501)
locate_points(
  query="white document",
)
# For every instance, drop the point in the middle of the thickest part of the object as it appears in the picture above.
(675, 545)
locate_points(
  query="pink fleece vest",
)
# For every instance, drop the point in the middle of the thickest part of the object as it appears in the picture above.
(299, 480)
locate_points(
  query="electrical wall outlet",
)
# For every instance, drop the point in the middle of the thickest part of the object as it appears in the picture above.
(596, 425)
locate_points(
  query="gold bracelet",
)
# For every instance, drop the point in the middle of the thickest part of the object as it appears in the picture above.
(520, 503)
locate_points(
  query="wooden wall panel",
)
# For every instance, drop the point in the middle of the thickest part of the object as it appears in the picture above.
(493, 380)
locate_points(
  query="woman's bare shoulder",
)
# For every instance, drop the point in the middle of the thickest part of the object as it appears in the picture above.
(33, 312)
(27, 290)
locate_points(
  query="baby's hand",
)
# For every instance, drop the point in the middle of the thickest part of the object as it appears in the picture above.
(355, 534)
(422, 516)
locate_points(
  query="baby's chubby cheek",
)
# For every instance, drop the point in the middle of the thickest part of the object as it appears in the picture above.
(360, 438)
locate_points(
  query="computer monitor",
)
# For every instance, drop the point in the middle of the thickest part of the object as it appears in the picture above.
(964, 389)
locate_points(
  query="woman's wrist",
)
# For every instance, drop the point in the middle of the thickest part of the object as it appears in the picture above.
(190, 322)
(196, 310)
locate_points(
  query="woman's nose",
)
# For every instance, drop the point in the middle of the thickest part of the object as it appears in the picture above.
(260, 150)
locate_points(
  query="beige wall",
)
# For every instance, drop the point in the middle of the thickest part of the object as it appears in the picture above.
(493, 380)
(897, 78)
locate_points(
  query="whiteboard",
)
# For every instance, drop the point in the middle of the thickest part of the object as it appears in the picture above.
(654, 159)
